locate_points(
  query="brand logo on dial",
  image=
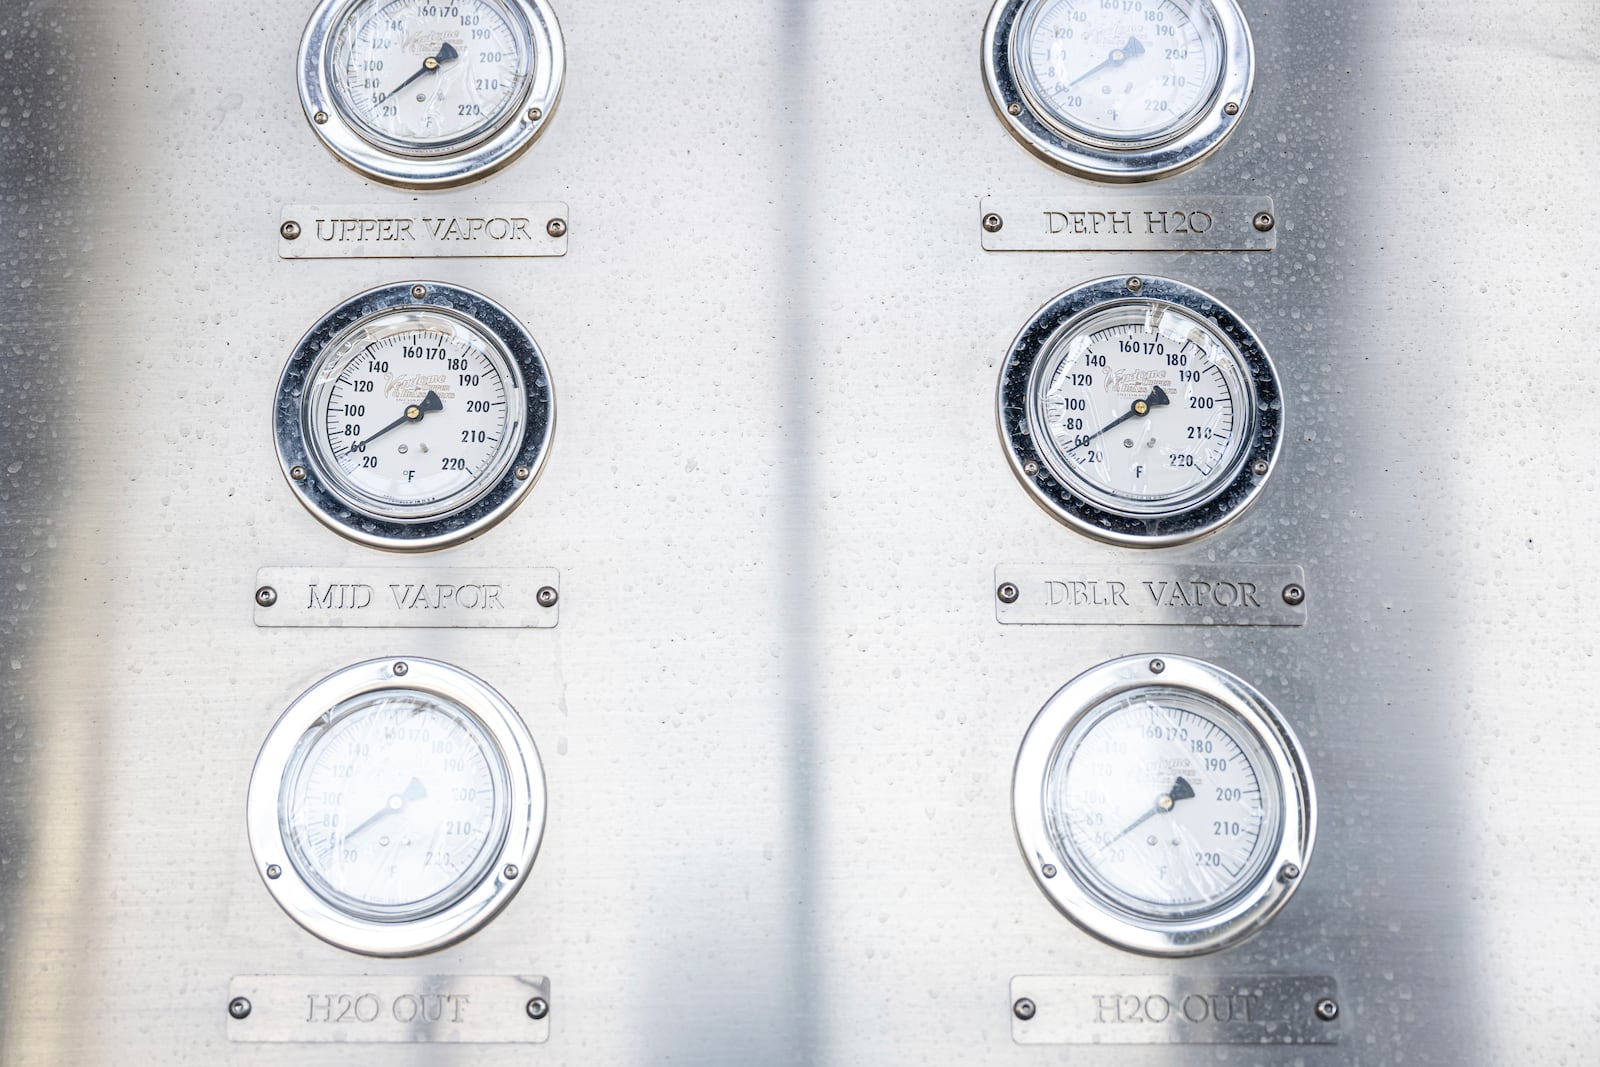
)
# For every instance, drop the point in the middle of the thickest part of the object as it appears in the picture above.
(427, 42)
(1136, 383)
(417, 386)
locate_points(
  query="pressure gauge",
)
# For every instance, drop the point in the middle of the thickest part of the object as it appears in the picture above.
(396, 806)
(1164, 805)
(414, 416)
(427, 95)
(1119, 91)
(1140, 411)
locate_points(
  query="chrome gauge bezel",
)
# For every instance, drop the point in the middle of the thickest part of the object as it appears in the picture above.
(1040, 469)
(306, 464)
(1077, 151)
(410, 166)
(1074, 892)
(455, 915)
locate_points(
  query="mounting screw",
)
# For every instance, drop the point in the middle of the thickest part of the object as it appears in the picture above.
(1157, 666)
(1135, 284)
(535, 114)
(320, 118)
(274, 871)
(1048, 870)
(297, 472)
(548, 596)
(1288, 872)
(290, 231)
(1327, 1009)
(419, 291)
(556, 227)
(401, 669)
(1260, 467)
(239, 1008)
(1265, 222)
(1024, 1009)
(1294, 595)
(266, 596)
(993, 223)
(510, 871)
(1008, 593)
(523, 474)
(1015, 109)
(538, 1008)
(1231, 108)
(1030, 468)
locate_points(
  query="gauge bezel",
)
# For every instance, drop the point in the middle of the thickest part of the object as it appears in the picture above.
(1021, 379)
(1079, 152)
(525, 804)
(1072, 891)
(482, 507)
(469, 159)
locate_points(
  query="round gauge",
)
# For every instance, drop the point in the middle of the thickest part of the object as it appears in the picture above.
(396, 806)
(1140, 411)
(1124, 91)
(1164, 805)
(414, 416)
(427, 95)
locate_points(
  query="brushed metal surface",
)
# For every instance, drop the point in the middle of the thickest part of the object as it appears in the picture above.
(779, 716)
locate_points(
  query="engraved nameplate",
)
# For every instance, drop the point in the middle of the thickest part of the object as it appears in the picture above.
(445, 1009)
(1070, 223)
(422, 231)
(450, 597)
(1198, 594)
(1169, 1010)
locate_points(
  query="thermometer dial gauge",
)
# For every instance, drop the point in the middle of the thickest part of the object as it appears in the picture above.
(414, 416)
(1164, 804)
(422, 94)
(396, 806)
(1123, 91)
(1141, 411)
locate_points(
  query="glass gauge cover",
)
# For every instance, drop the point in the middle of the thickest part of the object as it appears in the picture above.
(1164, 805)
(425, 95)
(1140, 411)
(414, 416)
(1124, 91)
(396, 806)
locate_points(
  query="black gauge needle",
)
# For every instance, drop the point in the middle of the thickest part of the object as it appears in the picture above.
(1181, 790)
(1157, 399)
(413, 792)
(414, 413)
(1117, 57)
(447, 53)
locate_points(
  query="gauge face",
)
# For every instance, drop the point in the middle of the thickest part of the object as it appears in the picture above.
(1123, 91)
(1165, 802)
(1132, 73)
(396, 806)
(429, 95)
(1141, 411)
(410, 421)
(1164, 805)
(421, 77)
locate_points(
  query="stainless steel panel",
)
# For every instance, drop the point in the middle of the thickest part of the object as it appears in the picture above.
(779, 715)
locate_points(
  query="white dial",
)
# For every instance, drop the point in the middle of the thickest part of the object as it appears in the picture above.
(418, 76)
(1165, 802)
(394, 804)
(414, 413)
(1122, 71)
(1146, 409)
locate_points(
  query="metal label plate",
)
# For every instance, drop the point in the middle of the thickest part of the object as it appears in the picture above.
(1174, 1010)
(413, 597)
(1198, 594)
(423, 231)
(1090, 223)
(437, 1009)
